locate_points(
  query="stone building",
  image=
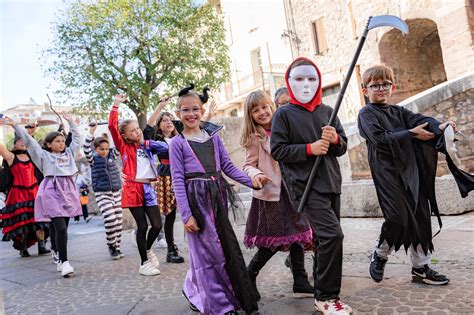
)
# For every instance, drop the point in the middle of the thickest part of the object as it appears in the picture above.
(439, 45)
(258, 51)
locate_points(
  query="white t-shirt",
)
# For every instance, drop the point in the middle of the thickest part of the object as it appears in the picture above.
(202, 137)
(144, 169)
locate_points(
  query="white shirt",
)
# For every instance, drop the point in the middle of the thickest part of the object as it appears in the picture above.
(144, 168)
(202, 137)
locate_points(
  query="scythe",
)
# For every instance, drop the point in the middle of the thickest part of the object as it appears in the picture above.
(373, 22)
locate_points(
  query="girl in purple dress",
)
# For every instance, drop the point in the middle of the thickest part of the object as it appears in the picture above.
(217, 281)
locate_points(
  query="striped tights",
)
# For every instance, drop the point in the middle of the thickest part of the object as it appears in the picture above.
(110, 206)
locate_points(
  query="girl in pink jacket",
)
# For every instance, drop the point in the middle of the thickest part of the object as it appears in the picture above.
(273, 224)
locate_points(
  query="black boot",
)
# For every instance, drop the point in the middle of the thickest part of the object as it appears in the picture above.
(253, 279)
(288, 263)
(301, 286)
(261, 257)
(24, 253)
(42, 250)
(173, 256)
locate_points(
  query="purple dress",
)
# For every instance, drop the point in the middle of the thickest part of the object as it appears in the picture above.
(217, 281)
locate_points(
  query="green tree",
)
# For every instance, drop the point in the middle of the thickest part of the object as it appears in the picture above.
(39, 134)
(135, 47)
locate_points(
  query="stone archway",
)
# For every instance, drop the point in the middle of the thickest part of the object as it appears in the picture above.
(416, 58)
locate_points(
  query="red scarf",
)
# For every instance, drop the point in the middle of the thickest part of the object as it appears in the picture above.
(319, 93)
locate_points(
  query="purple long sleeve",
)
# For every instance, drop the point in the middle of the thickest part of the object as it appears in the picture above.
(177, 174)
(157, 146)
(229, 168)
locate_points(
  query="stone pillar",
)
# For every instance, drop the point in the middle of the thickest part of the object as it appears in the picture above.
(456, 29)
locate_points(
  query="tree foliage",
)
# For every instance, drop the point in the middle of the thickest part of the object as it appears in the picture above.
(135, 47)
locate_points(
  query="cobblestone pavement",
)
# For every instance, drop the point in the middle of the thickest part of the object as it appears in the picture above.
(101, 286)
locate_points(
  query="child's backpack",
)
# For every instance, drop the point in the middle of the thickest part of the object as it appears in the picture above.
(84, 198)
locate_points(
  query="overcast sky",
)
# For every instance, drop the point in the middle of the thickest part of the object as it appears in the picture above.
(25, 32)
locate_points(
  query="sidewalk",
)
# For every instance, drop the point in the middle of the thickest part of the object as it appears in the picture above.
(101, 286)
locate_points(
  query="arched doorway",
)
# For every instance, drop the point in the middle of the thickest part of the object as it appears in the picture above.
(416, 58)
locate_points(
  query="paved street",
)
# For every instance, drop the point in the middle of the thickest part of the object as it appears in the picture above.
(101, 286)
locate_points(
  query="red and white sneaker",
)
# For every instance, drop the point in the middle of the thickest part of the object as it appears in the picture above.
(332, 307)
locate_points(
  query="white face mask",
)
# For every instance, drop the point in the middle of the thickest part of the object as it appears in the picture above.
(304, 82)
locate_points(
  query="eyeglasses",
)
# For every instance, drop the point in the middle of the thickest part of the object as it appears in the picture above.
(382, 86)
(193, 110)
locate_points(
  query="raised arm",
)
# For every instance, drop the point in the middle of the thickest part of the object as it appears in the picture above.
(6, 155)
(34, 149)
(75, 144)
(113, 122)
(211, 110)
(87, 147)
(154, 116)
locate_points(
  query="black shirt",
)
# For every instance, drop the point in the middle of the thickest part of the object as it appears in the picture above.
(293, 128)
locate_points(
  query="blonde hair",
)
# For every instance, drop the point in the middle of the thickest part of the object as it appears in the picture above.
(378, 72)
(123, 125)
(250, 127)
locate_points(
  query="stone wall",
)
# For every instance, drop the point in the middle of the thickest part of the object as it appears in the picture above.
(231, 138)
(438, 47)
(359, 199)
(452, 100)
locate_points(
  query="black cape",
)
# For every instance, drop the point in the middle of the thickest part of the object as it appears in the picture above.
(404, 170)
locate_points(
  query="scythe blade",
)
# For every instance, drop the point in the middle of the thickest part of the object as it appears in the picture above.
(388, 20)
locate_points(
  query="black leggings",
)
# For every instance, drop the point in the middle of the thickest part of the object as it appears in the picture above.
(169, 227)
(58, 233)
(145, 241)
(263, 255)
(85, 213)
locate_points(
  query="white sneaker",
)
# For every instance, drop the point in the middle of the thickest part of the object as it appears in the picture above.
(59, 266)
(152, 258)
(66, 270)
(332, 307)
(162, 243)
(148, 269)
(133, 237)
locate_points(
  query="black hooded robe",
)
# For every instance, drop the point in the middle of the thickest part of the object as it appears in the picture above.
(404, 170)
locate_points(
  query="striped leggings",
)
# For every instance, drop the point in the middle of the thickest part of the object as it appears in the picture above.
(110, 206)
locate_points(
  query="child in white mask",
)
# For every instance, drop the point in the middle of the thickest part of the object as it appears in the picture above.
(300, 133)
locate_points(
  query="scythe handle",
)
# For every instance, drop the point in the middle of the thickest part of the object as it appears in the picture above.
(51, 107)
(312, 175)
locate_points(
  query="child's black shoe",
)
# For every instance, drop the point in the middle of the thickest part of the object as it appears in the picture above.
(302, 288)
(427, 275)
(377, 267)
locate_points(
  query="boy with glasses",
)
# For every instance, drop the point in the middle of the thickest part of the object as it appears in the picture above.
(402, 158)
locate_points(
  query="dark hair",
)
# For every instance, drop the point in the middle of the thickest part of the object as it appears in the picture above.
(158, 122)
(50, 137)
(98, 141)
(301, 63)
(280, 92)
(189, 91)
